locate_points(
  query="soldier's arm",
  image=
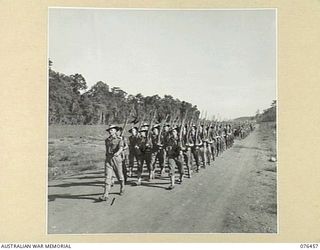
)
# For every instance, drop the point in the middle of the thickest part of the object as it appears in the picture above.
(121, 145)
(125, 143)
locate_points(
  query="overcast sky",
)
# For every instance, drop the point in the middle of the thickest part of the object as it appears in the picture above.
(223, 61)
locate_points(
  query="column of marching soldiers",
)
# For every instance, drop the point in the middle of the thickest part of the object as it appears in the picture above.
(181, 145)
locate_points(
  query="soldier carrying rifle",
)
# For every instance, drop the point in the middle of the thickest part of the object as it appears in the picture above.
(174, 156)
(113, 162)
(145, 146)
(134, 151)
(158, 151)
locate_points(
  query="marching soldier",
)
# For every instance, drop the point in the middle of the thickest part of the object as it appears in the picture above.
(158, 152)
(134, 151)
(165, 139)
(196, 143)
(124, 154)
(186, 150)
(145, 146)
(202, 147)
(113, 162)
(174, 156)
(208, 142)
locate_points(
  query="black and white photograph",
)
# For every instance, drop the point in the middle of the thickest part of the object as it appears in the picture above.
(162, 121)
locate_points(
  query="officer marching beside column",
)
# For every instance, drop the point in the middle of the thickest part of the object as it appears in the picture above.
(113, 162)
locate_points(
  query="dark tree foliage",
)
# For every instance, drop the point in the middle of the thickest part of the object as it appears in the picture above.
(104, 105)
(268, 115)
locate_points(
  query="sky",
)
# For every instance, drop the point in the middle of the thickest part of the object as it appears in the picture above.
(223, 61)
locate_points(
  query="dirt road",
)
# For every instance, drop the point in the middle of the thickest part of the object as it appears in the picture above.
(237, 193)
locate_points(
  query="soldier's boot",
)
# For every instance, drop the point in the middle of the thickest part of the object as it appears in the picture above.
(112, 182)
(172, 182)
(153, 174)
(130, 172)
(189, 172)
(181, 179)
(162, 172)
(150, 176)
(138, 183)
(198, 169)
(204, 162)
(105, 196)
(122, 187)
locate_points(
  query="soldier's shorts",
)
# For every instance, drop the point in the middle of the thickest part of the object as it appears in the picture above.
(202, 154)
(196, 155)
(160, 156)
(173, 163)
(133, 156)
(145, 157)
(187, 157)
(113, 164)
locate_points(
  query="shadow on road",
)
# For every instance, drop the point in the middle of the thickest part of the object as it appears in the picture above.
(71, 184)
(242, 146)
(156, 184)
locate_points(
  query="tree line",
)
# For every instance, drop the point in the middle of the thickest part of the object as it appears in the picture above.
(71, 102)
(269, 114)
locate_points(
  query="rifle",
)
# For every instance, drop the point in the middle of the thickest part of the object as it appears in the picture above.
(209, 130)
(141, 121)
(151, 124)
(197, 132)
(181, 128)
(188, 130)
(173, 118)
(125, 123)
(161, 128)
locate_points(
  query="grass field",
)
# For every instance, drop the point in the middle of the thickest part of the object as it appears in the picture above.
(73, 149)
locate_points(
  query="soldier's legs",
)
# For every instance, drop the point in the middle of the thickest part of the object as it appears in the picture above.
(212, 152)
(116, 163)
(154, 157)
(148, 158)
(108, 172)
(124, 168)
(203, 156)
(195, 153)
(161, 159)
(131, 163)
(208, 154)
(172, 167)
(187, 160)
(140, 168)
(179, 164)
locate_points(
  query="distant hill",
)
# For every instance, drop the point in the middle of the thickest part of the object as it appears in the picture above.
(243, 118)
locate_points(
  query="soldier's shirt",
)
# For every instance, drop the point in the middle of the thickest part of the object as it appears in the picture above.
(133, 141)
(125, 150)
(173, 147)
(202, 135)
(194, 139)
(186, 139)
(166, 137)
(113, 144)
(143, 145)
(155, 141)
